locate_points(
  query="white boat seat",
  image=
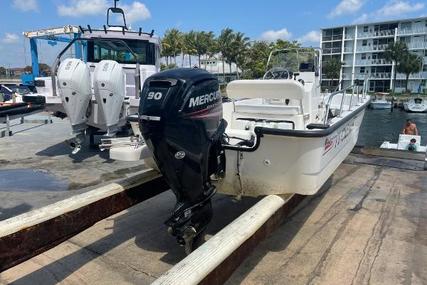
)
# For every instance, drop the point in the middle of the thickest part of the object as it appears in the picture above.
(267, 89)
(243, 134)
(257, 106)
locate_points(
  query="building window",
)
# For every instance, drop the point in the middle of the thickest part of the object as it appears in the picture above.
(363, 56)
(362, 69)
(365, 29)
(364, 43)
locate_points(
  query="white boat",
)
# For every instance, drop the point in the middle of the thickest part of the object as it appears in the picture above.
(113, 60)
(380, 104)
(416, 105)
(404, 143)
(277, 135)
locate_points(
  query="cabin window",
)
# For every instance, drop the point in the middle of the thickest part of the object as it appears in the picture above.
(418, 100)
(117, 50)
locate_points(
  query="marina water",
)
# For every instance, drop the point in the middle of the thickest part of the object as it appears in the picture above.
(382, 125)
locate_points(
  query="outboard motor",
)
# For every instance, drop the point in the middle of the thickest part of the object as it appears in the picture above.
(75, 86)
(181, 121)
(109, 86)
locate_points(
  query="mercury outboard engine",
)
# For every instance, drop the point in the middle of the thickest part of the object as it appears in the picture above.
(181, 121)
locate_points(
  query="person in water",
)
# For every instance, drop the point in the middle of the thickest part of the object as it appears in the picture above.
(410, 128)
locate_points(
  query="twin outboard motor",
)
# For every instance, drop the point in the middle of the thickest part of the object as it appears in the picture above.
(181, 122)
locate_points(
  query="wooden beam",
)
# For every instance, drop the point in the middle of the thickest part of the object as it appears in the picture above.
(215, 260)
(32, 233)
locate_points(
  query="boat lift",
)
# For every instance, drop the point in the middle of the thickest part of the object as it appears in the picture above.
(63, 34)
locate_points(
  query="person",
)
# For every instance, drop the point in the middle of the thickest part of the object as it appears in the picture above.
(412, 146)
(410, 128)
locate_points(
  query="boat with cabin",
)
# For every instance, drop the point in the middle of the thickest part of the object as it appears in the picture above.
(380, 103)
(416, 105)
(92, 57)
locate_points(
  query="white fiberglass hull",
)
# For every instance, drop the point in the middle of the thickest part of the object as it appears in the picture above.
(290, 164)
(381, 105)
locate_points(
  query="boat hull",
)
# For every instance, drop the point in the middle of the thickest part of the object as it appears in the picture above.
(289, 164)
(381, 105)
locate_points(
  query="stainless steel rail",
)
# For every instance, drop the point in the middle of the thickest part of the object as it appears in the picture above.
(354, 89)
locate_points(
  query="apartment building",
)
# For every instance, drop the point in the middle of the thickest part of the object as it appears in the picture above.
(361, 49)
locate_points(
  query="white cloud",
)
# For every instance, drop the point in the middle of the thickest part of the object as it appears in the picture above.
(25, 5)
(310, 37)
(361, 19)
(135, 12)
(392, 9)
(273, 35)
(77, 8)
(396, 7)
(346, 7)
(10, 38)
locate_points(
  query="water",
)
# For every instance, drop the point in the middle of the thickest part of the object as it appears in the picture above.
(382, 125)
(28, 180)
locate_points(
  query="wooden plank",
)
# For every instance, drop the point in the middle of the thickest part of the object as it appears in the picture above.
(32, 233)
(216, 259)
(391, 153)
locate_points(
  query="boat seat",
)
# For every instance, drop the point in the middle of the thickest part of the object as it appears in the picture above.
(259, 106)
(267, 89)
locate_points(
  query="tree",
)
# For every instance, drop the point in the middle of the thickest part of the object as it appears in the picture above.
(332, 68)
(189, 44)
(172, 43)
(409, 63)
(255, 64)
(225, 41)
(202, 42)
(395, 52)
(2, 71)
(239, 48)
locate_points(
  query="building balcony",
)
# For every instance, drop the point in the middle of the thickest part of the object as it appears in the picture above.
(349, 37)
(364, 62)
(332, 38)
(369, 48)
(417, 45)
(348, 49)
(419, 75)
(331, 50)
(378, 34)
(412, 31)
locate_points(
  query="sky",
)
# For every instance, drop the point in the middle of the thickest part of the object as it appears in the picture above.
(260, 20)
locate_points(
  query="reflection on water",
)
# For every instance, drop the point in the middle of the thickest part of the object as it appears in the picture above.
(28, 180)
(383, 125)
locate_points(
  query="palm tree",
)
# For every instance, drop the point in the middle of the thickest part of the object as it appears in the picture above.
(409, 63)
(202, 42)
(395, 52)
(239, 49)
(189, 44)
(225, 41)
(172, 42)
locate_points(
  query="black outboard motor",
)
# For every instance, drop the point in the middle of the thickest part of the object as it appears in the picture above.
(181, 122)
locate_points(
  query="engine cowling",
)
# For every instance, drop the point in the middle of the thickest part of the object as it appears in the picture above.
(181, 122)
(75, 90)
(109, 87)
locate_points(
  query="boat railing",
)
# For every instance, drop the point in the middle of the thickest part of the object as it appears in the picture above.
(355, 89)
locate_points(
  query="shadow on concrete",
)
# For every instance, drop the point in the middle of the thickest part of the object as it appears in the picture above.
(86, 152)
(143, 223)
(283, 236)
(6, 213)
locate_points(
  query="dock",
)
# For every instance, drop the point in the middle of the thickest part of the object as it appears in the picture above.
(365, 226)
(368, 227)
